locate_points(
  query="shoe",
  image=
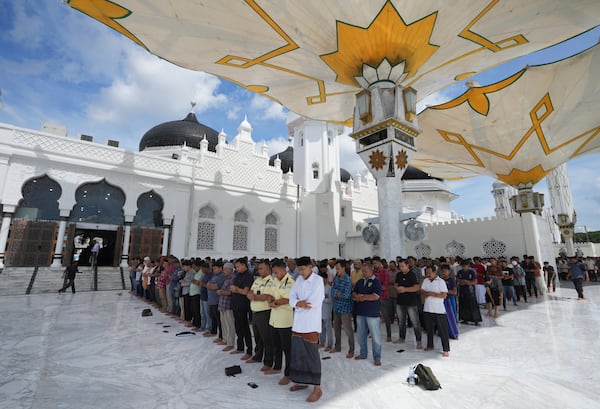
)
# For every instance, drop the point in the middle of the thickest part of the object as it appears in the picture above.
(349, 355)
(284, 381)
(358, 357)
(377, 362)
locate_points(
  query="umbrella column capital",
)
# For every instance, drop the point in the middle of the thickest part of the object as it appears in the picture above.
(385, 131)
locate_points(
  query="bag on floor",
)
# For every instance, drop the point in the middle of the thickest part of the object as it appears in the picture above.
(233, 370)
(426, 378)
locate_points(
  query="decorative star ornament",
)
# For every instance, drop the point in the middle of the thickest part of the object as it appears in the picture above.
(377, 159)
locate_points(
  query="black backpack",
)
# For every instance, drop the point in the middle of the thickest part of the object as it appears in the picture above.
(426, 378)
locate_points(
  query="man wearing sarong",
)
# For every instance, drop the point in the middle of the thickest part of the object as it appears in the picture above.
(306, 297)
(468, 308)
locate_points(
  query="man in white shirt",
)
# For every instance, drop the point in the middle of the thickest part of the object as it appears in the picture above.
(306, 297)
(94, 254)
(433, 292)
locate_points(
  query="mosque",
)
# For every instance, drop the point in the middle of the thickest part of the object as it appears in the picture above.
(190, 191)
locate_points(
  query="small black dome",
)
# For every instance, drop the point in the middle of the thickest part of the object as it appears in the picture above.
(413, 173)
(287, 159)
(345, 175)
(176, 133)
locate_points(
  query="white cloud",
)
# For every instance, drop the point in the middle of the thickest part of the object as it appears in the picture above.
(266, 109)
(276, 144)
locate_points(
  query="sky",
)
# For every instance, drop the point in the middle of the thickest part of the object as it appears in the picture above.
(59, 66)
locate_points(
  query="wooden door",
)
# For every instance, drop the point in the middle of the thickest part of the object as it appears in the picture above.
(31, 243)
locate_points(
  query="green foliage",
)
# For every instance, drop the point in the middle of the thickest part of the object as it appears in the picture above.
(592, 236)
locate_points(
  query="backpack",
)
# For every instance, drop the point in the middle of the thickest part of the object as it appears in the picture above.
(426, 378)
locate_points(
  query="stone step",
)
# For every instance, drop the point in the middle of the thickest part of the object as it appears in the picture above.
(15, 280)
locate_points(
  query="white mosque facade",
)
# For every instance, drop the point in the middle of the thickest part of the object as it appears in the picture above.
(190, 192)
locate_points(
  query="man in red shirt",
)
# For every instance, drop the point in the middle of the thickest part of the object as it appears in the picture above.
(480, 287)
(386, 305)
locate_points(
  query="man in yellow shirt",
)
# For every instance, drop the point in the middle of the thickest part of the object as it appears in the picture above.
(259, 296)
(281, 320)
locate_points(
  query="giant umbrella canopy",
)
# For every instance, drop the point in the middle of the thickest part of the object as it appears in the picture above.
(518, 129)
(313, 56)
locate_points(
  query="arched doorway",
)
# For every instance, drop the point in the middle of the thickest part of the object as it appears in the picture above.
(97, 216)
(147, 232)
(33, 230)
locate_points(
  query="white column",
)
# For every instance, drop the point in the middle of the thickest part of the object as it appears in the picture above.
(389, 198)
(126, 240)
(60, 239)
(4, 228)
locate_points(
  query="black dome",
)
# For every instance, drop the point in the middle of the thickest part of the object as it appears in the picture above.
(176, 133)
(413, 173)
(287, 159)
(345, 175)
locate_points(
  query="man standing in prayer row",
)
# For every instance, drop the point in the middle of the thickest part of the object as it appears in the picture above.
(225, 311)
(241, 307)
(468, 308)
(306, 297)
(259, 296)
(367, 293)
(281, 320)
(434, 291)
(386, 304)
(407, 287)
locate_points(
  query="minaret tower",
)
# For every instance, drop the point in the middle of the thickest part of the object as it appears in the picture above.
(562, 205)
(502, 194)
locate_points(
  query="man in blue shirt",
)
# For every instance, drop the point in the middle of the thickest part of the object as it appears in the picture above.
(366, 295)
(341, 294)
(578, 273)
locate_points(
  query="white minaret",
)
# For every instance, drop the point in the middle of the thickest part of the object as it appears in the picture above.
(317, 172)
(316, 153)
(562, 204)
(502, 194)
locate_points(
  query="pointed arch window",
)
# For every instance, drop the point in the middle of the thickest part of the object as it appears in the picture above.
(271, 233)
(149, 210)
(98, 202)
(40, 199)
(206, 228)
(240, 231)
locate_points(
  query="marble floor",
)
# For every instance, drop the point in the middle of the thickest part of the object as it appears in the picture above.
(94, 350)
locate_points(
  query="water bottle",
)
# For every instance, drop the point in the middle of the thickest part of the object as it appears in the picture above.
(411, 376)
